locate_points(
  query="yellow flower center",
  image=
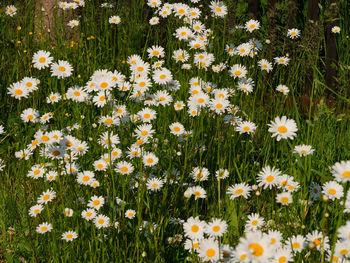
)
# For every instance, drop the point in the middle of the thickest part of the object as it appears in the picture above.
(284, 200)
(282, 129)
(194, 228)
(332, 191)
(216, 228)
(282, 259)
(76, 93)
(346, 174)
(210, 253)
(257, 249)
(96, 202)
(124, 169)
(18, 92)
(61, 68)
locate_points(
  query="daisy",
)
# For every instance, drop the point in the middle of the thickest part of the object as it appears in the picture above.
(73, 23)
(51, 176)
(216, 228)
(268, 177)
(69, 236)
(318, 240)
(315, 191)
(333, 190)
(154, 21)
(282, 60)
(283, 128)
(108, 139)
(192, 244)
(68, 212)
(283, 254)
(11, 10)
(219, 105)
(150, 159)
(43, 228)
(218, 9)
(29, 115)
(154, 184)
(238, 71)
(303, 150)
(297, 243)
(344, 231)
(275, 238)
(254, 222)
(114, 20)
(176, 128)
(284, 198)
(46, 197)
(209, 250)
(243, 49)
(336, 29)
(198, 192)
(85, 177)
(155, 51)
(180, 10)
(341, 171)
(283, 88)
(147, 114)
(222, 174)
(88, 214)
(200, 173)
(30, 83)
(62, 69)
(144, 131)
(42, 59)
(36, 172)
(194, 228)
(161, 76)
(246, 127)
(265, 65)
(124, 168)
(35, 210)
(130, 213)
(255, 247)
(245, 87)
(252, 25)
(183, 33)
(162, 97)
(101, 221)
(18, 90)
(293, 33)
(96, 202)
(237, 190)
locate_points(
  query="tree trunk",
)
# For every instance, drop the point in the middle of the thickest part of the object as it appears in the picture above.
(253, 8)
(331, 49)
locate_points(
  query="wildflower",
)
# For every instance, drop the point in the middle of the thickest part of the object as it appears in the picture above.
(293, 33)
(252, 25)
(282, 88)
(150, 159)
(216, 228)
(155, 51)
(11, 10)
(303, 150)
(222, 174)
(154, 21)
(336, 29)
(237, 190)
(73, 23)
(69, 236)
(284, 198)
(68, 212)
(320, 241)
(265, 65)
(218, 9)
(161, 76)
(154, 184)
(43, 228)
(35, 210)
(62, 69)
(124, 168)
(246, 127)
(209, 250)
(238, 71)
(130, 213)
(147, 114)
(96, 202)
(114, 20)
(101, 221)
(46, 197)
(42, 59)
(194, 228)
(254, 222)
(176, 128)
(333, 190)
(297, 243)
(197, 191)
(29, 115)
(88, 214)
(315, 191)
(341, 171)
(18, 90)
(268, 177)
(283, 128)
(282, 60)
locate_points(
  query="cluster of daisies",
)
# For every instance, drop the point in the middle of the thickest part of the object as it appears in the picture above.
(132, 102)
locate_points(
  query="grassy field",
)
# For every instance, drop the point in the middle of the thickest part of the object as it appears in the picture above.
(142, 131)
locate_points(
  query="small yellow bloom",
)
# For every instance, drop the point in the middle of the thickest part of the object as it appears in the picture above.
(68, 115)
(19, 42)
(30, 33)
(19, 28)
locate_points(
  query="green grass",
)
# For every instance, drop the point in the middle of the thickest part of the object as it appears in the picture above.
(213, 143)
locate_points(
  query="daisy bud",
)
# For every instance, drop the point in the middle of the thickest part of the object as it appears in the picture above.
(257, 193)
(178, 153)
(303, 226)
(311, 245)
(188, 193)
(325, 198)
(326, 215)
(254, 187)
(267, 41)
(144, 254)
